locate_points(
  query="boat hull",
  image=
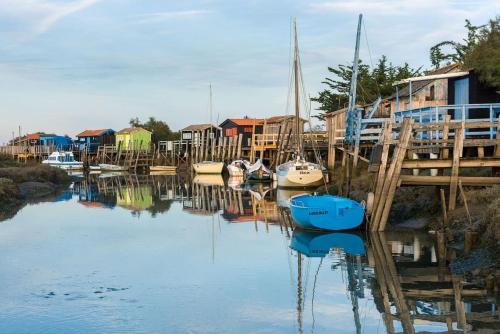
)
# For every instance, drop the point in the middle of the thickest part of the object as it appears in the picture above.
(209, 168)
(66, 166)
(327, 212)
(259, 177)
(300, 178)
(162, 168)
(235, 171)
(112, 168)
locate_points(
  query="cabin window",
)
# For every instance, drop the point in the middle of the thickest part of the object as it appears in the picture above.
(248, 130)
(432, 92)
(186, 135)
(231, 132)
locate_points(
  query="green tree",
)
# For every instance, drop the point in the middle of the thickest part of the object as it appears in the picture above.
(159, 129)
(371, 84)
(480, 51)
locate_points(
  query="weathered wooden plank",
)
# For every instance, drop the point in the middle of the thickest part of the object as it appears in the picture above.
(440, 163)
(382, 168)
(445, 180)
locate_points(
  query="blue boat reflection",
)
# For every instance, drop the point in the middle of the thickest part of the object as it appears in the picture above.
(319, 244)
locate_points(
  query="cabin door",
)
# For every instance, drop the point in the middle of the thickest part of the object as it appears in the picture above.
(461, 96)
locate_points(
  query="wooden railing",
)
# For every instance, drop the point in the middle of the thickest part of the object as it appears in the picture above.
(37, 150)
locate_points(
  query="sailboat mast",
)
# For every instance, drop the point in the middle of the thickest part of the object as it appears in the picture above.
(296, 84)
(354, 78)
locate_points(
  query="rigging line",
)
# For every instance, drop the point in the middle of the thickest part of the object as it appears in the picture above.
(370, 55)
(313, 295)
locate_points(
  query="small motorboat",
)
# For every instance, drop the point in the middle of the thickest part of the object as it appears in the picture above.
(208, 167)
(258, 172)
(319, 244)
(64, 160)
(169, 169)
(236, 169)
(326, 212)
(112, 168)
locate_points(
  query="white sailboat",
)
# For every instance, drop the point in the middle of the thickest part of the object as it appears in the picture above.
(209, 167)
(298, 173)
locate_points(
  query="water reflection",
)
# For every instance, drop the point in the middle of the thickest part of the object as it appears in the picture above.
(265, 276)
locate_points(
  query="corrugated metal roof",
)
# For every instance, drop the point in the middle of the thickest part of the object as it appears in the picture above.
(92, 133)
(246, 121)
(199, 127)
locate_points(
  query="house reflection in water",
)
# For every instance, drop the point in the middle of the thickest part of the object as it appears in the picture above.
(154, 194)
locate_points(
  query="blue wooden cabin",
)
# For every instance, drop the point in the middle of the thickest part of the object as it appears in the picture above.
(59, 142)
(92, 139)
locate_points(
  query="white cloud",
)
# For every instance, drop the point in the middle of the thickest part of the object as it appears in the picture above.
(400, 7)
(41, 15)
(170, 15)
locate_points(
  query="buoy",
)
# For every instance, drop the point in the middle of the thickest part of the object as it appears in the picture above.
(369, 203)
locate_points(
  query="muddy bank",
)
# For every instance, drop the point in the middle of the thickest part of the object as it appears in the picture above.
(21, 184)
(413, 207)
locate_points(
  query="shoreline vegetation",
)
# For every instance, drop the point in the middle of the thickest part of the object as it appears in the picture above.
(21, 184)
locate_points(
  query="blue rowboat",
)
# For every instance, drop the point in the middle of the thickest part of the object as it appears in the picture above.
(326, 212)
(319, 244)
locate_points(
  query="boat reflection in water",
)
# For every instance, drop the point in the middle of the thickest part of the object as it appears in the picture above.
(319, 244)
(349, 250)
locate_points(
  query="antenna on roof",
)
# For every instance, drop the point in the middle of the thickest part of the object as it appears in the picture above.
(210, 85)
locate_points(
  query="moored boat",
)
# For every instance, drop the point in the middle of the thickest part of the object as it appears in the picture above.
(258, 172)
(236, 169)
(112, 168)
(326, 212)
(299, 174)
(64, 160)
(171, 169)
(208, 167)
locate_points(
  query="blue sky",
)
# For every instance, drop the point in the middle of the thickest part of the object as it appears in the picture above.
(70, 65)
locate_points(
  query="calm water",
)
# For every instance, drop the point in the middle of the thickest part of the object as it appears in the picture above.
(163, 255)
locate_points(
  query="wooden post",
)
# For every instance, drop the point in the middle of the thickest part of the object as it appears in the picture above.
(445, 152)
(387, 130)
(264, 139)
(240, 140)
(457, 152)
(459, 305)
(392, 178)
(443, 207)
(224, 139)
(497, 148)
(331, 142)
(464, 199)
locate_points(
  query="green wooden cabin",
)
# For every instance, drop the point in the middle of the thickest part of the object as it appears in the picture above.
(133, 139)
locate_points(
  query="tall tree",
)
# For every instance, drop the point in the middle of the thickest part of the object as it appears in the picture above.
(371, 83)
(480, 51)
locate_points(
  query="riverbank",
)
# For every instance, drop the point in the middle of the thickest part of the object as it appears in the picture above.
(20, 184)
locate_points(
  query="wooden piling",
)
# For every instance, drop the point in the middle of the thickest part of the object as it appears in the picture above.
(457, 153)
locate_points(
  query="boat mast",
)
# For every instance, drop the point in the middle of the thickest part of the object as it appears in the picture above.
(354, 79)
(296, 84)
